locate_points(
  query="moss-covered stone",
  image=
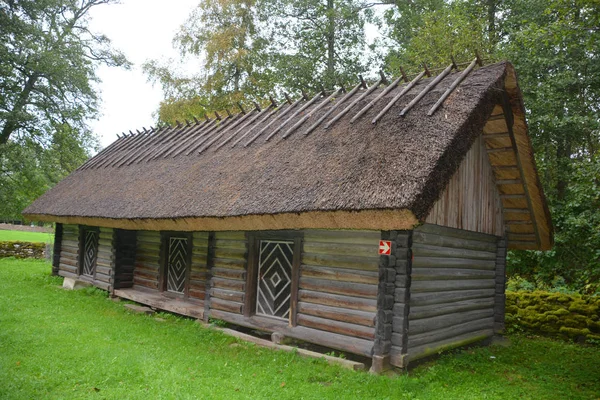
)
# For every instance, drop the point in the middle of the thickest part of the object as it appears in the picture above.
(22, 249)
(554, 314)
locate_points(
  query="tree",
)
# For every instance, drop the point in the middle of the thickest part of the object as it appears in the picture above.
(253, 48)
(48, 58)
(48, 66)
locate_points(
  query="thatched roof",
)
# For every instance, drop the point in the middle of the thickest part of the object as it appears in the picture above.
(241, 173)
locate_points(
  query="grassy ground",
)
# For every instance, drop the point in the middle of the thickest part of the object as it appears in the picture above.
(26, 236)
(57, 344)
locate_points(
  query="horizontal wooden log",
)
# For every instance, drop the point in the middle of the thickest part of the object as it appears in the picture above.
(102, 278)
(361, 250)
(429, 298)
(69, 253)
(147, 266)
(451, 285)
(103, 270)
(235, 254)
(224, 305)
(73, 242)
(438, 322)
(446, 241)
(228, 284)
(230, 243)
(427, 250)
(199, 259)
(349, 262)
(197, 293)
(68, 268)
(230, 235)
(229, 263)
(229, 273)
(200, 235)
(101, 284)
(227, 295)
(335, 341)
(68, 261)
(107, 243)
(344, 288)
(427, 311)
(147, 248)
(146, 274)
(465, 263)
(431, 337)
(147, 258)
(342, 236)
(338, 314)
(353, 303)
(340, 274)
(152, 284)
(67, 274)
(198, 275)
(450, 273)
(341, 328)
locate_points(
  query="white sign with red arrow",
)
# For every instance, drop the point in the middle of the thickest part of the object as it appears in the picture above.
(385, 247)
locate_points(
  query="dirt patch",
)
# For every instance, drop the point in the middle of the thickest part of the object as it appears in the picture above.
(26, 228)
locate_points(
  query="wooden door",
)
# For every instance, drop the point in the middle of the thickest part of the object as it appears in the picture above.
(90, 253)
(177, 263)
(274, 283)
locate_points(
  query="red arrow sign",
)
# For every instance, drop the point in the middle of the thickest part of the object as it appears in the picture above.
(385, 247)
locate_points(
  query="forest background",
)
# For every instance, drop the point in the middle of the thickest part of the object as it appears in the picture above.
(247, 50)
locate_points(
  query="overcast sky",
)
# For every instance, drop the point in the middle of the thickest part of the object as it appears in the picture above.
(142, 29)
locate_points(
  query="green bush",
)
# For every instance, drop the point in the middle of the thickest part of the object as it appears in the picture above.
(563, 315)
(19, 249)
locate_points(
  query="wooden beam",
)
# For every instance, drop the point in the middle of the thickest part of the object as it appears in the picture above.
(508, 182)
(499, 135)
(500, 150)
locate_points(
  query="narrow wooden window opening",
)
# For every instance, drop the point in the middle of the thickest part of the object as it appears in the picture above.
(273, 275)
(88, 251)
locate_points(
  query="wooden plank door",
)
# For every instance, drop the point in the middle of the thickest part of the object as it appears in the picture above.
(177, 264)
(274, 283)
(90, 253)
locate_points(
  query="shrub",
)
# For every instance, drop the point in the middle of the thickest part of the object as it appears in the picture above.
(22, 249)
(563, 315)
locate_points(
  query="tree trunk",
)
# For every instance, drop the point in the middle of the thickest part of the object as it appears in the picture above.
(330, 42)
(12, 121)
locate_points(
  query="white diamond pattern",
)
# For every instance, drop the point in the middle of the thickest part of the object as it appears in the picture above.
(274, 278)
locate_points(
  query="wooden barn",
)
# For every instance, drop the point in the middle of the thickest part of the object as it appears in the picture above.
(374, 220)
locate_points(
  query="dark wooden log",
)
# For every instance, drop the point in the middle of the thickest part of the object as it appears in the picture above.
(432, 337)
(152, 284)
(335, 341)
(67, 274)
(229, 263)
(361, 250)
(228, 295)
(67, 268)
(451, 285)
(224, 305)
(69, 261)
(419, 273)
(456, 233)
(102, 278)
(338, 314)
(229, 273)
(153, 298)
(427, 250)
(344, 288)
(341, 328)
(235, 254)
(340, 274)
(428, 311)
(445, 241)
(197, 292)
(428, 298)
(348, 262)
(199, 275)
(438, 322)
(464, 263)
(353, 303)
(228, 284)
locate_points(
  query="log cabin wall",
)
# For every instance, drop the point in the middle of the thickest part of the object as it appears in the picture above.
(105, 260)
(228, 273)
(453, 289)
(147, 260)
(339, 277)
(125, 244)
(199, 274)
(68, 265)
(471, 200)
(500, 299)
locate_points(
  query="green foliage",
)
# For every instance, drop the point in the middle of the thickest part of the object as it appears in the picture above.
(69, 344)
(554, 314)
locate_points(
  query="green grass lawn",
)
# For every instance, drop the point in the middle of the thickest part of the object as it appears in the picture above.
(58, 344)
(26, 236)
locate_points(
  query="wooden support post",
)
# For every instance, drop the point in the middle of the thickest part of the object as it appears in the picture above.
(58, 233)
(210, 262)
